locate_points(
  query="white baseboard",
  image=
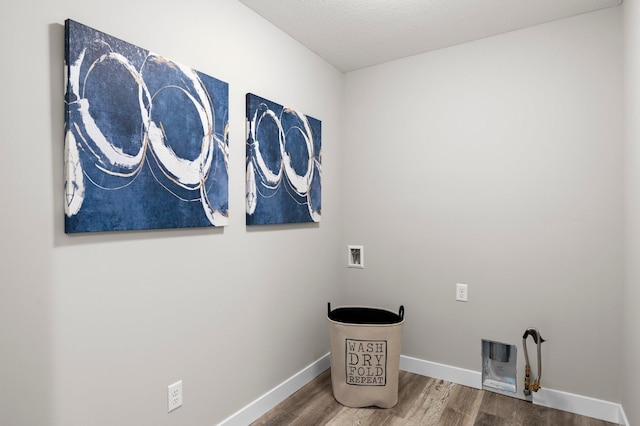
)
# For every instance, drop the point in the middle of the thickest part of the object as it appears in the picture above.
(470, 378)
(623, 417)
(583, 405)
(577, 404)
(266, 402)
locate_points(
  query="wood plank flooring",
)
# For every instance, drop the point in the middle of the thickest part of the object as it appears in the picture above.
(422, 401)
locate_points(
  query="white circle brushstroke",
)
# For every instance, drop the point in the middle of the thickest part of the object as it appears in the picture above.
(269, 178)
(74, 184)
(188, 174)
(251, 195)
(300, 183)
(112, 160)
(183, 172)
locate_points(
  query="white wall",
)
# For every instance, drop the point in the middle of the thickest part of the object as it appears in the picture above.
(496, 163)
(631, 150)
(94, 327)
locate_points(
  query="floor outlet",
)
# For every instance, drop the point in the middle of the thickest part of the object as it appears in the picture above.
(175, 395)
(461, 292)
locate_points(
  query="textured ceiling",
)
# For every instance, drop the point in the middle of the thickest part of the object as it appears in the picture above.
(352, 34)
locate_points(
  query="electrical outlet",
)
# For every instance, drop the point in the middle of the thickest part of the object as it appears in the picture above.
(175, 395)
(461, 292)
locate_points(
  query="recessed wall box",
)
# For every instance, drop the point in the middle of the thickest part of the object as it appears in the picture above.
(499, 367)
(355, 257)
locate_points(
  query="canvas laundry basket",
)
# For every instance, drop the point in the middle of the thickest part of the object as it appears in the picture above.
(365, 355)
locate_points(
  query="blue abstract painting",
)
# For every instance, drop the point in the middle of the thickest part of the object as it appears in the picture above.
(146, 139)
(284, 164)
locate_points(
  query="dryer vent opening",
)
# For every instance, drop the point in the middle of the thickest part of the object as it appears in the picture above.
(498, 367)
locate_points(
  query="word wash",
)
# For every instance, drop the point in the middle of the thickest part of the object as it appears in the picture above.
(366, 362)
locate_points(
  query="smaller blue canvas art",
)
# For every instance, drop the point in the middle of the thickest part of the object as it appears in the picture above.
(146, 139)
(283, 164)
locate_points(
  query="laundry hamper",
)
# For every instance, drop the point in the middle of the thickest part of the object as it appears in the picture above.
(365, 355)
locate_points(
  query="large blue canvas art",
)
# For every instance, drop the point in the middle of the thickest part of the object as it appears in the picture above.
(283, 164)
(146, 143)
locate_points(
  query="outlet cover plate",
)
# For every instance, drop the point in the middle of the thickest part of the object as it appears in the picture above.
(461, 292)
(175, 395)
